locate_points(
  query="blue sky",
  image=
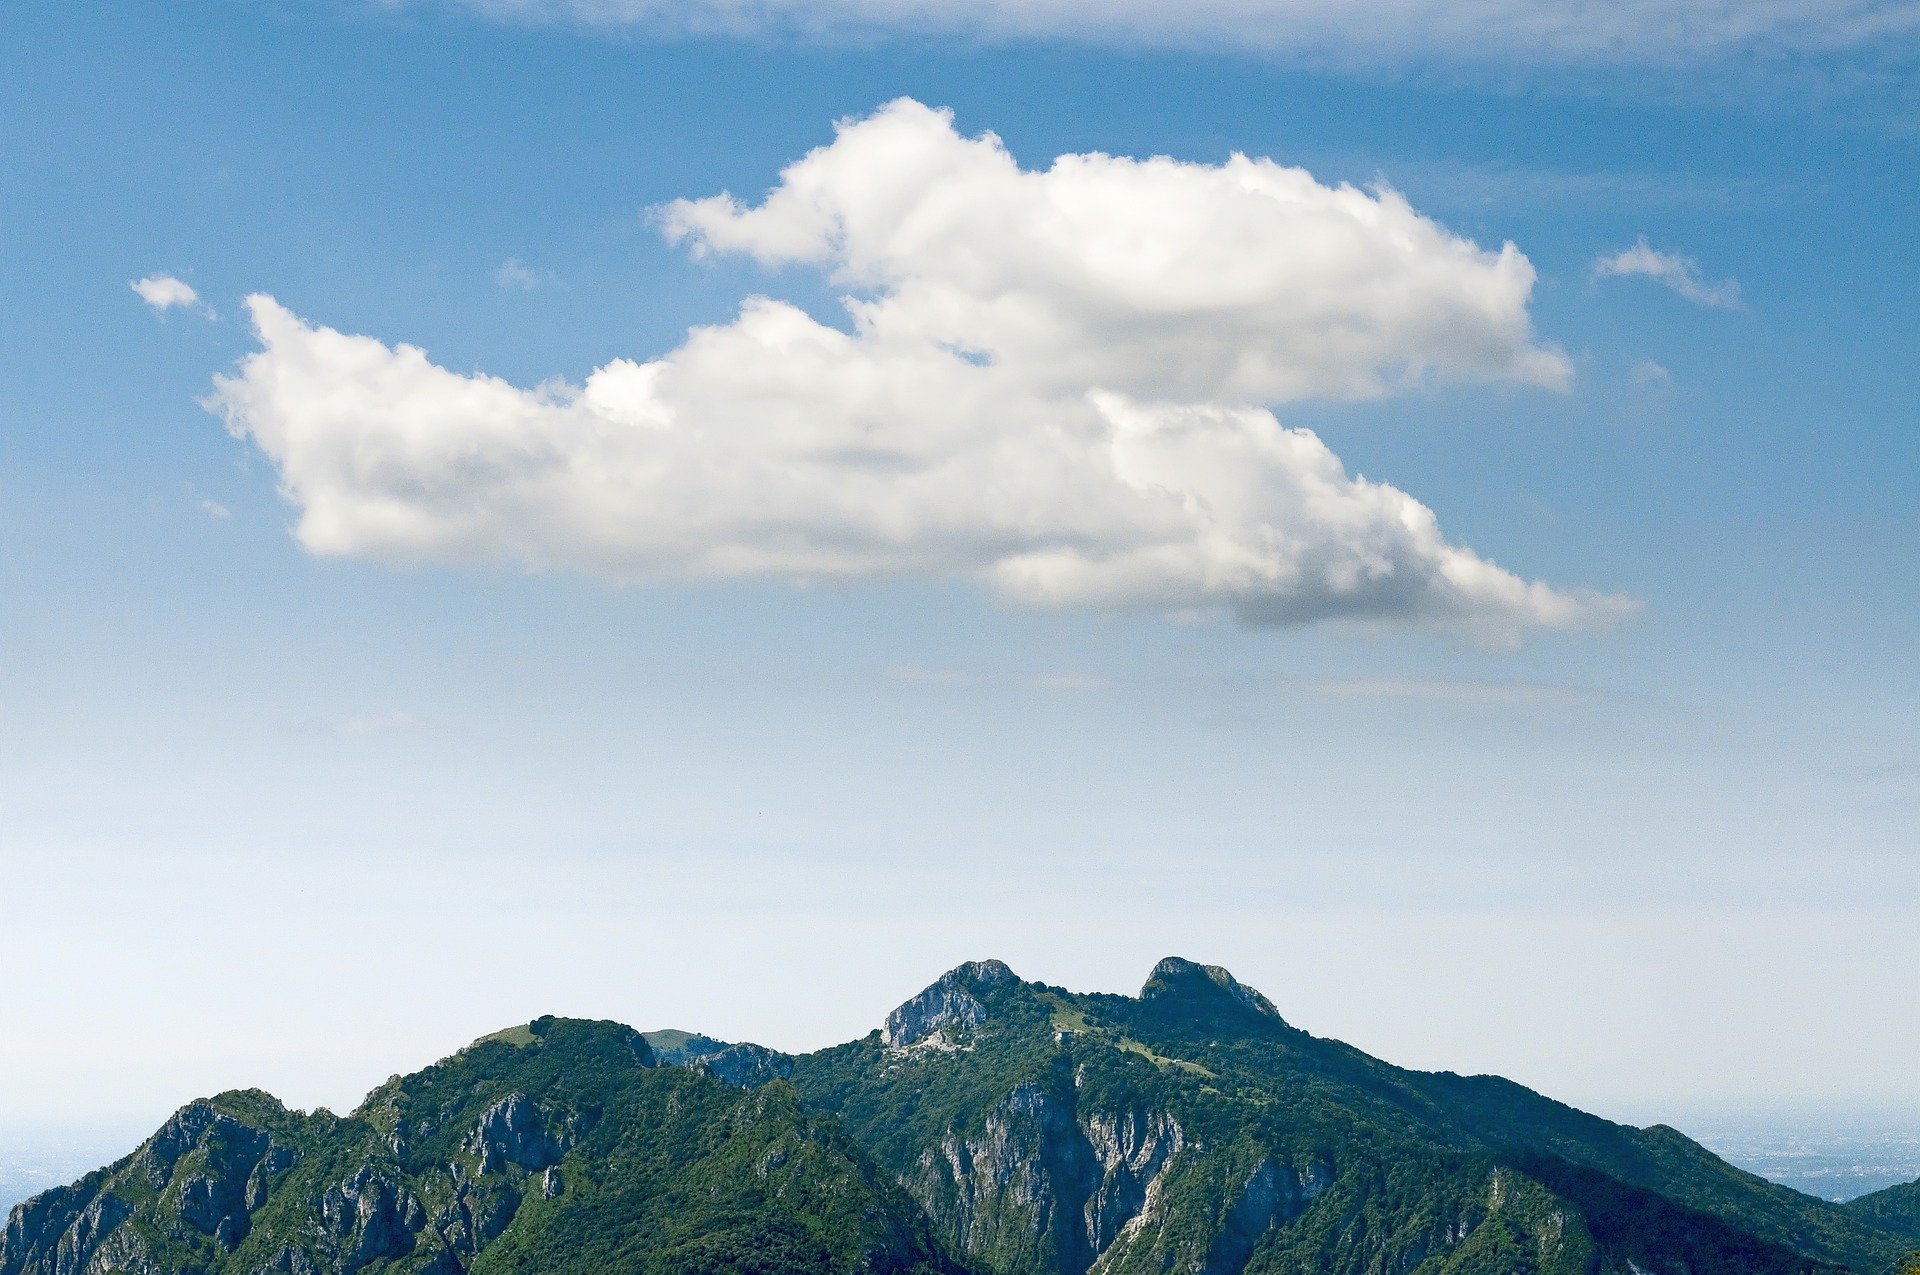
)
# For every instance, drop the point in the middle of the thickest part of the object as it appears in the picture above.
(301, 820)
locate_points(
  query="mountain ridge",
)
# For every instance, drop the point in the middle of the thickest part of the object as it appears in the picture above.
(988, 1126)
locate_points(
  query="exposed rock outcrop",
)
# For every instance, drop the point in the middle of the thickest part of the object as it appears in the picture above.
(370, 1216)
(206, 1170)
(63, 1225)
(744, 1065)
(1133, 1151)
(229, 1182)
(1042, 1185)
(478, 1212)
(514, 1131)
(676, 1048)
(747, 1066)
(951, 1002)
(1272, 1195)
(1176, 979)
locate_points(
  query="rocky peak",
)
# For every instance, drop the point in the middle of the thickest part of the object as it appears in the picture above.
(1176, 979)
(746, 1065)
(743, 1065)
(204, 1168)
(674, 1047)
(952, 1001)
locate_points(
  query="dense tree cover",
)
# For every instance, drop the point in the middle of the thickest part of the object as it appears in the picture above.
(1896, 1208)
(559, 1149)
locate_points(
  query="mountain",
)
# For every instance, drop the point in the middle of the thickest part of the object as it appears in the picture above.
(991, 1126)
(1192, 1128)
(560, 1148)
(1897, 1208)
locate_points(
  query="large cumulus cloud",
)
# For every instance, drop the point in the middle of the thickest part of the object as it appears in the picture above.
(1057, 382)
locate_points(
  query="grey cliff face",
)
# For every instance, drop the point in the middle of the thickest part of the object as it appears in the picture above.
(205, 1175)
(370, 1216)
(514, 1131)
(208, 1170)
(94, 1241)
(747, 1066)
(215, 1198)
(1133, 1150)
(953, 1001)
(744, 1065)
(1046, 1186)
(1272, 1195)
(477, 1212)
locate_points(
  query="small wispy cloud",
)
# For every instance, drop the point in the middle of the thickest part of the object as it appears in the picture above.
(1648, 374)
(1067, 682)
(515, 275)
(1488, 693)
(928, 676)
(1452, 691)
(1681, 274)
(374, 722)
(163, 292)
(393, 722)
(1458, 183)
(214, 509)
(1031, 681)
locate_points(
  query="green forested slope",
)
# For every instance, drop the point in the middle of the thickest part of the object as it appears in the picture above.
(557, 1148)
(1896, 1208)
(1193, 1128)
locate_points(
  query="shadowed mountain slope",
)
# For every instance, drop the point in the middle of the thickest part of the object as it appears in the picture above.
(1897, 1208)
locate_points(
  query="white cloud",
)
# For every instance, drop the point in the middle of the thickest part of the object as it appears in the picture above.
(1068, 682)
(392, 722)
(929, 676)
(1453, 691)
(214, 509)
(1243, 282)
(1034, 681)
(1682, 274)
(1555, 31)
(1055, 382)
(1646, 374)
(163, 292)
(515, 275)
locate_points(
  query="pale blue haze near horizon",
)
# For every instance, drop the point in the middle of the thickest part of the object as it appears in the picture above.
(295, 821)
